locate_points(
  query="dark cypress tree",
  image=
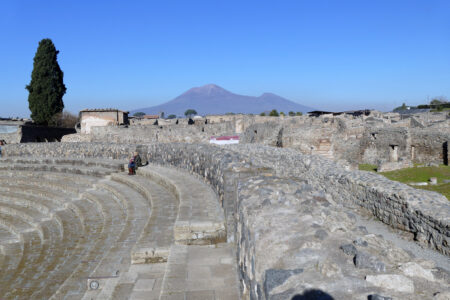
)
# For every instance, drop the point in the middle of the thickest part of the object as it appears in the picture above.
(46, 87)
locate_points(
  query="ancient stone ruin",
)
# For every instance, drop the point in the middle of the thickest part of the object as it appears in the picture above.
(282, 215)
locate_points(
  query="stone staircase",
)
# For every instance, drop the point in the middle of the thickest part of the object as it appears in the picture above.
(81, 229)
(324, 149)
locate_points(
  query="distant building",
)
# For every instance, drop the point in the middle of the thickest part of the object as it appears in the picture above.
(101, 117)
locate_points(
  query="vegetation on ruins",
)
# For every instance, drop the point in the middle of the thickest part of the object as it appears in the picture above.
(282, 113)
(171, 116)
(299, 113)
(402, 107)
(418, 174)
(46, 88)
(139, 114)
(188, 113)
(436, 104)
(274, 113)
(291, 113)
(263, 114)
(64, 119)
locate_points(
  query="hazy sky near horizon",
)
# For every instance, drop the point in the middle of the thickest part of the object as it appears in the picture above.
(331, 55)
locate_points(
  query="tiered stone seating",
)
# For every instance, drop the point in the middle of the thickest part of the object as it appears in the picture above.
(47, 228)
(67, 223)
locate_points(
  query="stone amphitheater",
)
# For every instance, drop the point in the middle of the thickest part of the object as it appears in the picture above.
(246, 221)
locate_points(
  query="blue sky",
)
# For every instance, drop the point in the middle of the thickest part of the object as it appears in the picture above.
(332, 55)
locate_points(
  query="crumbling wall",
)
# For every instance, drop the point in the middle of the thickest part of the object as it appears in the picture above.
(163, 134)
(430, 145)
(262, 133)
(379, 144)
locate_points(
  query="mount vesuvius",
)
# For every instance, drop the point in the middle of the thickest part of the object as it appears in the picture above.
(212, 99)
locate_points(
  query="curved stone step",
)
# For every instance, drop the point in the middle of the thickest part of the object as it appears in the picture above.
(17, 199)
(57, 196)
(97, 171)
(54, 185)
(113, 165)
(31, 235)
(12, 252)
(200, 219)
(154, 243)
(79, 179)
(7, 236)
(111, 210)
(32, 253)
(61, 259)
(15, 224)
(20, 194)
(117, 259)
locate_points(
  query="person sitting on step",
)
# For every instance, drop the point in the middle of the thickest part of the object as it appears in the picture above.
(132, 167)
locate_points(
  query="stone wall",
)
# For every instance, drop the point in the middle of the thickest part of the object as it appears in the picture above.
(251, 179)
(358, 140)
(421, 212)
(379, 144)
(163, 134)
(430, 145)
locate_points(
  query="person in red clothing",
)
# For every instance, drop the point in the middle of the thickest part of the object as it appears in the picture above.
(132, 167)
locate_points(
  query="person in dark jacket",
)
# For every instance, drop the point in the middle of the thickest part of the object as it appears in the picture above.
(137, 160)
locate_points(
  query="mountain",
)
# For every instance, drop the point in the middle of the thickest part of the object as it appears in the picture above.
(212, 99)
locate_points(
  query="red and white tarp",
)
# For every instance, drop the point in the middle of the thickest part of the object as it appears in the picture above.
(224, 140)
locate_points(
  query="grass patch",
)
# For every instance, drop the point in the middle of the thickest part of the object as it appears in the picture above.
(418, 174)
(368, 167)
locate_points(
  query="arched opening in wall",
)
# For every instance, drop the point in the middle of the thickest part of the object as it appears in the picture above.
(393, 153)
(445, 153)
(191, 122)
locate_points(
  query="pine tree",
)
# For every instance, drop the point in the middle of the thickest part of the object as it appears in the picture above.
(46, 88)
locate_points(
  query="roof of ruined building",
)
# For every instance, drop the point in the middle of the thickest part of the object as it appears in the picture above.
(103, 110)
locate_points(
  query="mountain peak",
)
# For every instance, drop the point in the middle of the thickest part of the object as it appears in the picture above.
(207, 90)
(268, 95)
(212, 99)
